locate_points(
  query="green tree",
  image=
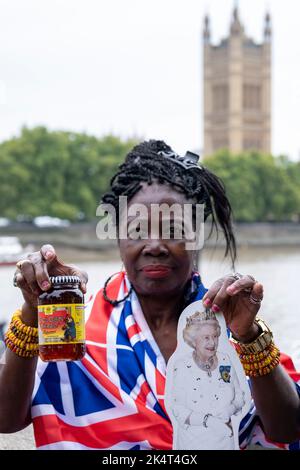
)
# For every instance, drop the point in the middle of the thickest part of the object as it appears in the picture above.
(260, 187)
(64, 174)
(57, 173)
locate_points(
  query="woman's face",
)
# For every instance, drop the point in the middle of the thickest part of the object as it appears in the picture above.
(157, 266)
(206, 343)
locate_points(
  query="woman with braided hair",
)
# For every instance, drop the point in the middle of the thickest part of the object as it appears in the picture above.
(114, 397)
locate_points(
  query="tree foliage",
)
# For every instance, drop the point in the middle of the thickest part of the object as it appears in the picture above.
(260, 187)
(64, 174)
(60, 174)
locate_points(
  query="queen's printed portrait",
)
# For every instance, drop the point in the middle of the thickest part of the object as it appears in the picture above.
(206, 392)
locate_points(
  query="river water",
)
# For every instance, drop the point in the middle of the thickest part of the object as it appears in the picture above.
(277, 269)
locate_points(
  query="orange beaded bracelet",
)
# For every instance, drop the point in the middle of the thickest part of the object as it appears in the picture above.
(20, 338)
(21, 327)
(260, 364)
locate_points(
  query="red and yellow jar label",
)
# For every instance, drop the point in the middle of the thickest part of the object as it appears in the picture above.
(61, 324)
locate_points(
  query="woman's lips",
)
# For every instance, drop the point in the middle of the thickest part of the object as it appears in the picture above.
(156, 272)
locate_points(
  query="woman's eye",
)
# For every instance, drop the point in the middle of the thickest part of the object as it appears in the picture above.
(136, 233)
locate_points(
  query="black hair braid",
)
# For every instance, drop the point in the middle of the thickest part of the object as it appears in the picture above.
(218, 206)
(144, 164)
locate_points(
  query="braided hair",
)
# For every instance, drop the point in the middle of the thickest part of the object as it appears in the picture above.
(144, 163)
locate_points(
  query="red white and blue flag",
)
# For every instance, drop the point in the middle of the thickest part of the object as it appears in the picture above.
(114, 397)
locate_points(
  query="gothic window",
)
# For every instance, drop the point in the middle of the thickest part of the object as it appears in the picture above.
(220, 97)
(220, 143)
(252, 143)
(252, 97)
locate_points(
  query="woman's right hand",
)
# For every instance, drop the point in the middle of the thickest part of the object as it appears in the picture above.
(32, 277)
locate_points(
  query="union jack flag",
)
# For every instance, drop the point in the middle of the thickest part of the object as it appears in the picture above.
(114, 397)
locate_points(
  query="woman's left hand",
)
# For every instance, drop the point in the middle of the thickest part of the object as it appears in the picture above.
(239, 299)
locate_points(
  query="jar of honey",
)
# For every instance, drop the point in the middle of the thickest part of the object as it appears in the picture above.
(61, 320)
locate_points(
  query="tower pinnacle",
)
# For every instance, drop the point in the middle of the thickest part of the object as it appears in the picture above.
(206, 29)
(268, 27)
(236, 26)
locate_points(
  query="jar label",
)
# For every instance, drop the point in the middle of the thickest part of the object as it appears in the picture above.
(61, 324)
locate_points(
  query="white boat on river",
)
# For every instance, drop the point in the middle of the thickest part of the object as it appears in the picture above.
(11, 250)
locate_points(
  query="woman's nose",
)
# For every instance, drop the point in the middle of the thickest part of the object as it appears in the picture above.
(155, 247)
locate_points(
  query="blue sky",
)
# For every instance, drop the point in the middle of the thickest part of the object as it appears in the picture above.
(132, 67)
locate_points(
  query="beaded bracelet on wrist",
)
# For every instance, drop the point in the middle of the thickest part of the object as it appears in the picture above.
(20, 352)
(260, 365)
(26, 329)
(21, 344)
(271, 350)
(20, 338)
(21, 335)
(255, 367)
(264, 371)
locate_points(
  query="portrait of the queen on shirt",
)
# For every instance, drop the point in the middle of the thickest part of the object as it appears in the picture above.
(207, 393)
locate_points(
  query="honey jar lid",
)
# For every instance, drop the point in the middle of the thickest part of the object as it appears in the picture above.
(55, 280)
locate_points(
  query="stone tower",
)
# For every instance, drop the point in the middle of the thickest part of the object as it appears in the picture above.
(237, 90)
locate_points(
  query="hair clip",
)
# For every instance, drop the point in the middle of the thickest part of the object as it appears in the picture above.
(190, 159)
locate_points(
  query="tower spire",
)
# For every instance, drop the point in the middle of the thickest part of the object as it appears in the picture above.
(268, 27)
(236, 26)
(236, 8)
(206, 29)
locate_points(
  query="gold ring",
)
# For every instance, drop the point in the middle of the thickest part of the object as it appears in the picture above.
(255, 300)
(237, 276)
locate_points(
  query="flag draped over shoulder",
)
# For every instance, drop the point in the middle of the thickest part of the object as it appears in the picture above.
(114, 397)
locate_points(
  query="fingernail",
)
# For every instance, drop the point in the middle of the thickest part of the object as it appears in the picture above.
(215, 308)
(49, 254)
(45, 285)
(207, 302)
